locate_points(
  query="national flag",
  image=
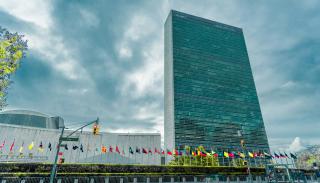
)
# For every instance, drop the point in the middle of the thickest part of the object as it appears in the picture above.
(110, 149)
(156, 150)
(50, 146)
(104, 149)
(144, 151)
(163, 152)
(187, 152)
(175, 152)
(117, 149)
(75, 147)
(130, 150)
(231, 155)
(30, 147)
(214, 153)
(60, 153)
(150, 151)
(226, 154)
(281, 155)
(242, 155)
(169, 152)
(255, 154)
(81, 148)
(193, 153)
(293, 156)
(276, 155)
(220, 154)
(21, 148)
(40, 148)
(268, 156)
(3, 143)
(137, 150)
(203, 154)
(66, 147)
(286, 155)
(250, 155)
(12, 145)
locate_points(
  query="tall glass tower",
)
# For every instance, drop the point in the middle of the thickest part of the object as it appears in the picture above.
(210, 95)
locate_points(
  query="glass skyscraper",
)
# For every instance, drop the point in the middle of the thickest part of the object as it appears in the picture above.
(210, 95)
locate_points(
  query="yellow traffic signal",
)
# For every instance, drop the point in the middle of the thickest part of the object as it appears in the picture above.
(95, 129)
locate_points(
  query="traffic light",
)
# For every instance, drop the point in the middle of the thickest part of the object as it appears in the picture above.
(95, 129)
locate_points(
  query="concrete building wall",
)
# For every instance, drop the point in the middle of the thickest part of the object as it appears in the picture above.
(169, 128)
(18, 136)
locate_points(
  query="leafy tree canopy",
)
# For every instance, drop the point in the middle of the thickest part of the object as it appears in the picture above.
(12, 49)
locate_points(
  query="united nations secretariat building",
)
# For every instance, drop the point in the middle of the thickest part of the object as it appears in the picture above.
(28, 136)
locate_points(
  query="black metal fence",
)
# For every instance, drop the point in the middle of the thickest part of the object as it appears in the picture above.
(163, 179)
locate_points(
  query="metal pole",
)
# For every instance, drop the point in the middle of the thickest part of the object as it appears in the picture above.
(54, 167)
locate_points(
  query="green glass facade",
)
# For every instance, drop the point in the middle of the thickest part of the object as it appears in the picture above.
(210, 95)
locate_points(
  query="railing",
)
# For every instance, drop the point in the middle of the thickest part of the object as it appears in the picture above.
(161, 179)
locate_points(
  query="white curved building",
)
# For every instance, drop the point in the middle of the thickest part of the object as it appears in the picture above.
(28, 136)
(30, 118)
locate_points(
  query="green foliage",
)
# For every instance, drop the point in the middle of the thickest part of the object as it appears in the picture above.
(12, 50)
(36, 169)
(194, 161)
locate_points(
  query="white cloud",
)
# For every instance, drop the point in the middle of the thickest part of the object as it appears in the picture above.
(288, 84)
(42, 41)
(148, 79)
(52, 49)
(89, 18)
(296, 145)
(139, 27)
(34, 11)
(125, 51)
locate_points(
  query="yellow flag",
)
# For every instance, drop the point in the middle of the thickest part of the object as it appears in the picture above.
(226, 154)
(21, 149)
(242, 155)
(30, 147)
(250, 154)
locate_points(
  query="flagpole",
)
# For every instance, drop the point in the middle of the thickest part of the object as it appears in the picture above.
(87, 148)
(94, 151)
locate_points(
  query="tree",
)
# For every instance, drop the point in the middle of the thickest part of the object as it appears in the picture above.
(12, 49)
(188, 159)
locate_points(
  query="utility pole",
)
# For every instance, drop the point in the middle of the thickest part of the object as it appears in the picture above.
(67, 138)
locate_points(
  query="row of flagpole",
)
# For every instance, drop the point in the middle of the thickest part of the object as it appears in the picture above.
(111, 149)
(174, 152)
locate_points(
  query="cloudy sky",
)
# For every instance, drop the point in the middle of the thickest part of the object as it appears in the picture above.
(105, 58)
